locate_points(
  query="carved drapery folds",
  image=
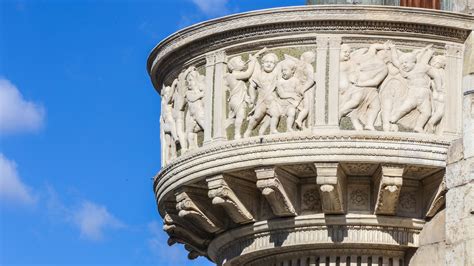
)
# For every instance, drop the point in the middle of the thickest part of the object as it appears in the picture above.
(279, 188)
(331, 180)
(381, 85)
(189, 207)
(222, 193)
(388, 182)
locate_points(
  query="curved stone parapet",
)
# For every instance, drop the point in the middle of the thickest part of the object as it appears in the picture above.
(316, 133)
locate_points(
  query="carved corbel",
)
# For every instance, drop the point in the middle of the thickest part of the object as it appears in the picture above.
(388, 181)
(277, 187)
(438, 201)
(331, 180)
(188, 208)
(221, 193)
(179, 234)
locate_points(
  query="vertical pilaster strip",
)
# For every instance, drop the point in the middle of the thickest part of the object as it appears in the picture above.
(208, 96)
(333, 81)
(453, 109)
(319, 106)
(219, 111)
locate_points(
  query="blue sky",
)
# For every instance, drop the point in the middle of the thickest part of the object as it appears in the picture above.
(79, 138)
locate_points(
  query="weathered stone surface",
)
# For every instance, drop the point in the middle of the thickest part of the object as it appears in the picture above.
(319, 134)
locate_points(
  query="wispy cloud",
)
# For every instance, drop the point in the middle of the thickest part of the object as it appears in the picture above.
(157, 243)
(91, 219)
(212, 7)
(17, 114)
(12, 189)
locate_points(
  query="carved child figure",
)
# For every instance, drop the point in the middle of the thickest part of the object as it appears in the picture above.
(168, 125)
(195, 113)
(417, 73)
(265, 82)
(305, 74)
(361, 74)
(290, 97)
(438, 63)
(238, 97)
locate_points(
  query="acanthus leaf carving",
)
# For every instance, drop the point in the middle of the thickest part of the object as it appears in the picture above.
(179, 234)
(331, 180)
(188, 208)
(270, 181)
(221, 193)
(388, 182)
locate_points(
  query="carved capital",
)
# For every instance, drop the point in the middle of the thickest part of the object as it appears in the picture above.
(188, 208)
(322, 42)
(220, 56)
(222, 194)
(331, 181)
(276, 186)
(388, 181)
(453, 50)
(335, 42)
(210, 60)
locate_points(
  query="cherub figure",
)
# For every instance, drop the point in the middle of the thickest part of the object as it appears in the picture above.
(238, 98)
(413, 66)
(362, 71)
(287, 91)
(305, 74)
(179, 103)
(168, 125)
(194, 98)
(265, 83)
(438, 64)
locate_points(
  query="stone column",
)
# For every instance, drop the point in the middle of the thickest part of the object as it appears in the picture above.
(319, 109)
(219, 133)
(453, 110)
(208, 96)
(333, 82)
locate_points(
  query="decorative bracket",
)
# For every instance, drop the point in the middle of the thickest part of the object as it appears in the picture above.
(221, 193)
(438, 201)
(331, 180)
(188, 207)
(388, 181)
(179, 234)
(276, 186)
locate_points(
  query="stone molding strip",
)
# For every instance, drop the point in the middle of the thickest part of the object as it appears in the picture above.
(317, 231)
(300, 148)
(227, 30)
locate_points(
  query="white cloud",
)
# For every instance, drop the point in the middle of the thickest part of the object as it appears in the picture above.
(93, 219)
(212, 7)
(16, 113)
(175, 255)
(11, 187)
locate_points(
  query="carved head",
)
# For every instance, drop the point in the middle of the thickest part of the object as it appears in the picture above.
(191, 79)
(345, 52)
(166, 92)
(269, 62)
(438, 61)
(308, 57)
(407, 61)
(236, 63)
(288, 68)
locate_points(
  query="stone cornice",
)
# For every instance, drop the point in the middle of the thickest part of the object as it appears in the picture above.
(319, 230)
(330, 19)
(409, 148)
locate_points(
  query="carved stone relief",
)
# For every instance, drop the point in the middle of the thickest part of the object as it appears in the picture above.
(383, 85)
(310, 199)
(276, 89)
(182, 113)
